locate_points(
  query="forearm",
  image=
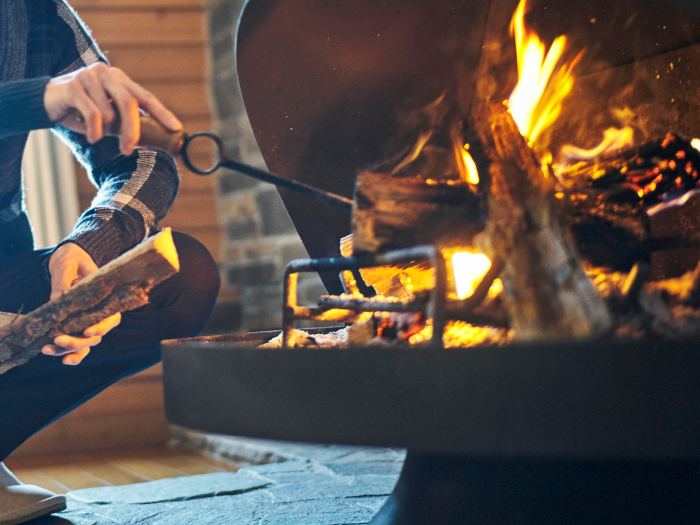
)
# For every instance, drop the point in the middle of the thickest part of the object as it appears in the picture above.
(22, 106)
(134, 193)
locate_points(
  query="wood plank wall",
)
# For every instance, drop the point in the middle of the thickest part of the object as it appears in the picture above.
(162, 44)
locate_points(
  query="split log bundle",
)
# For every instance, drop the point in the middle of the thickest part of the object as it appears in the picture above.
(120, 285)
(547, 293)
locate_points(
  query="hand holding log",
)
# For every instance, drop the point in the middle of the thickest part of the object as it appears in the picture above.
(120, 285)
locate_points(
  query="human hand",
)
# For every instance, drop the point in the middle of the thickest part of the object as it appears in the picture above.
(68, 265)
(85, 101)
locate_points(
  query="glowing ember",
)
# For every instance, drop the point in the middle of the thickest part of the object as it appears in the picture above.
(538, 76)
(469, 270)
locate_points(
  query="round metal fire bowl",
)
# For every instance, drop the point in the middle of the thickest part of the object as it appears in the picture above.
(589, 400)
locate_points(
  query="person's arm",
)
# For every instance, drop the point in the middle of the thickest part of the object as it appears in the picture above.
(135, 187)
(22, 106)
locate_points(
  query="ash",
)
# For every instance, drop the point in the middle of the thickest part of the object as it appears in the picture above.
(668, 308)
(337, 339)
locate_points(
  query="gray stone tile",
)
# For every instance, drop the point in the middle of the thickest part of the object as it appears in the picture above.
(316, 485)
(171, 489)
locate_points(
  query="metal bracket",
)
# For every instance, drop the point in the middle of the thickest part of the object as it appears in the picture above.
(326, 311)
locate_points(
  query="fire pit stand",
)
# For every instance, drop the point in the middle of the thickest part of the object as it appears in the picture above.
(583, 432)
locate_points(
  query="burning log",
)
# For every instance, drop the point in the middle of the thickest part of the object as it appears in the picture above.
(636, 204)
(401, 212)
(122, 284)
(546, 291)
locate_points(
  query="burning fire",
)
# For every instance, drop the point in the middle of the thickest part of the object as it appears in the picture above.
(542, 86)
(613, 140)
(469, 270)
(467, 167)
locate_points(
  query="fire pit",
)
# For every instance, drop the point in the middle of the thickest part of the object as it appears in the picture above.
(590, 431)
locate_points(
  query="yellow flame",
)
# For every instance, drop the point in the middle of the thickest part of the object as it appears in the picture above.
(469, 269)
(537, 73)
(695, 143)
(614, 139)
(467, 167)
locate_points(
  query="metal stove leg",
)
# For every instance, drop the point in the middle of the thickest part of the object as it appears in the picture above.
(444, 490)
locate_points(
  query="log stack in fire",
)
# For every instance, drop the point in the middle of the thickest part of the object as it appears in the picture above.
(531, 249)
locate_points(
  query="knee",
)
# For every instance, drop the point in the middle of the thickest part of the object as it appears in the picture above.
(199, 283)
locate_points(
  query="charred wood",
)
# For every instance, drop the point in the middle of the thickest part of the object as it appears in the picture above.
(547, 293)
(393, 212)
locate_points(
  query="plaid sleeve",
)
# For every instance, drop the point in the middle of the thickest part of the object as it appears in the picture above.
(134, 192)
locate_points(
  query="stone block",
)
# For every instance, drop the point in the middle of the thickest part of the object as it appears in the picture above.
(275, 220)
(232, 181)
(241, 229)
(253, 273)
(223, 16)
(238, 206)
(222, 49)
(263, 247)
(310, 290)
(238, 137)
(293, 251)
(226, 98)
(256, 320)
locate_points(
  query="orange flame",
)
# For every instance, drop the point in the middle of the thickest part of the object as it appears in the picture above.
(467, 167)
(538, 74)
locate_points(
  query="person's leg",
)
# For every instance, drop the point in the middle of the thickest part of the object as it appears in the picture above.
(43, 389)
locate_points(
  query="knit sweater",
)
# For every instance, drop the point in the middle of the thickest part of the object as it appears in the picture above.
(134, 192)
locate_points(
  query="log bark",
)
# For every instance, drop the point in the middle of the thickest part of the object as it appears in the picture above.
(547, 293)
(122, 284)
(401, 212)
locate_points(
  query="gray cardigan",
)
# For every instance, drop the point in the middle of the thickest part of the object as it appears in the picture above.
(134, 192)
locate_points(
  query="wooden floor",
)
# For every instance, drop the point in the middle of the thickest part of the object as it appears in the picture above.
(121, 467)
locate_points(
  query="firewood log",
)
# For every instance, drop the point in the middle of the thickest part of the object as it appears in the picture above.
(401, 212)
(122, 284)
(547, 293)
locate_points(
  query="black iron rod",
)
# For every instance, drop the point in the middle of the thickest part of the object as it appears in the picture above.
(299, 187)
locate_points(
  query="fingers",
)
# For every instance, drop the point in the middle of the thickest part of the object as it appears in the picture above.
(67, 265)
(95, 92)
(67, 344)
(155, 108)
(103, 326)
(69, 357)
(63, 278)
(76, 357)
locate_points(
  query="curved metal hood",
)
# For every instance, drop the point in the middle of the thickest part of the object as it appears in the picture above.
(324, 82)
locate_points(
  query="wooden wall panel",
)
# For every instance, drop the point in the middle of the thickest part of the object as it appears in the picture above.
(135, 4)
(144, 27)
(147, 64)
(127, 414)
(187, 99)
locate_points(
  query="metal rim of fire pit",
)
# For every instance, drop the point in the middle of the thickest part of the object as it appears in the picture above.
(598, 399)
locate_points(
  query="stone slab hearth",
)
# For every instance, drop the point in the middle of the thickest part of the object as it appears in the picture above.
(298, 484)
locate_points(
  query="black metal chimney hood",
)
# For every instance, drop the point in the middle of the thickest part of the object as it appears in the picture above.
(324, 83)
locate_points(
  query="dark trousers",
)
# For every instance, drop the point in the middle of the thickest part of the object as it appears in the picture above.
(42, 390)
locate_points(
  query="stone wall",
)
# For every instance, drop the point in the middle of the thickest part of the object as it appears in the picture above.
(259, 238)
